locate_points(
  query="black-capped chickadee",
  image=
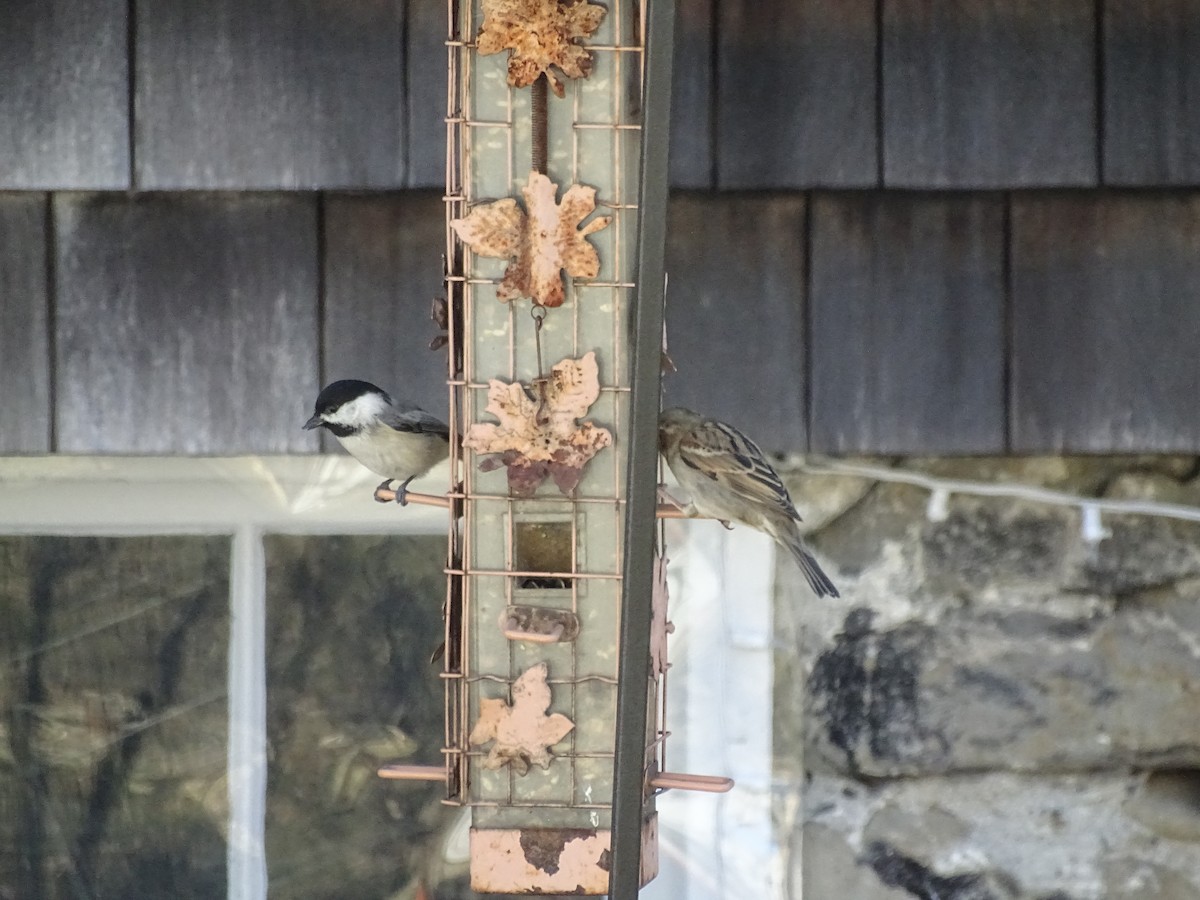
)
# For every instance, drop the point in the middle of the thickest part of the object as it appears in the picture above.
(399, 442)
(729, 478)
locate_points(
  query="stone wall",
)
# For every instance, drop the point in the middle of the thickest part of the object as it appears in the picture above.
(996, 708)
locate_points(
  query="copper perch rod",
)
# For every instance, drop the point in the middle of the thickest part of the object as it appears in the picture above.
(412, 773)
(712, 784)
(387, 495)
(663, 781)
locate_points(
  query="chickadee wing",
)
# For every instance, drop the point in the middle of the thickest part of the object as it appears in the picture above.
(727, 456)
(415, 420)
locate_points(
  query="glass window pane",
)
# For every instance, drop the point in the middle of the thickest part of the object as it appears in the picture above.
(114, 729)
(352, 622)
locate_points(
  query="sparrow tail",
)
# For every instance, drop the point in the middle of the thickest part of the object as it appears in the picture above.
(813, 573)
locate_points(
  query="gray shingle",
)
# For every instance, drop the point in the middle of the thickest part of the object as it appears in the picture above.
(907, 313)
(735, 312)
(64, 94)
(692, 96)
(984, 94)
(1105, 320)
(796, 94)
(185, 324)
(269, 94)
(1151, 82)
(24, 341)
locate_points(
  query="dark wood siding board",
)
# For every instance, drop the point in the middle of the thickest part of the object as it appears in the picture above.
(907, 323)
(426, 93)
(382, 270)
(64, 94)
(979, 94)
(796, 94)
(246, 94)
(1151, 82)
(24, 339)
(1105, 323)
(185, 324)
(691, 163)
(735, 311)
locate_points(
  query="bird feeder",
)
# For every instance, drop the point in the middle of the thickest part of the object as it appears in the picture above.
(544, 165)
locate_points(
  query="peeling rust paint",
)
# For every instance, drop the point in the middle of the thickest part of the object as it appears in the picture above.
(551, 860)
(544, 846)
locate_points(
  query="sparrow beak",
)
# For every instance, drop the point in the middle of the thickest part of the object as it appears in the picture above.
(314, 422)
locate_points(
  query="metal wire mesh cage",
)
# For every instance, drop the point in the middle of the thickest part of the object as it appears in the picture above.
(536, 581)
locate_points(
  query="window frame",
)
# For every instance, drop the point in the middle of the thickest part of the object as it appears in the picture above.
(721, 582)
(242, 498)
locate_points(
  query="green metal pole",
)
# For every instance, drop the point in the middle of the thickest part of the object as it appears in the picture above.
(646, 319)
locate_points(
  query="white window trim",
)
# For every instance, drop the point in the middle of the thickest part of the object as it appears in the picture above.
(155, 495)
(245, 498)
(720, 703)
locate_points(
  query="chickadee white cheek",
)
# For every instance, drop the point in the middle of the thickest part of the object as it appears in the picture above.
(362, 412)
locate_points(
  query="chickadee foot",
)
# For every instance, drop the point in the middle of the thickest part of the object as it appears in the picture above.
(725, 522)
(402, 492)
(385, 485)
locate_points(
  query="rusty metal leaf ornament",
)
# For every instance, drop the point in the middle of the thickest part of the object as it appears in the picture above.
(538, 436)
(522, 732)
(541, 240)
(660, 627)
(539, 34)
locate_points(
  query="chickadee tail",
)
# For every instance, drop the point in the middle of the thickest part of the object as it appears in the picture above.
(813, 573)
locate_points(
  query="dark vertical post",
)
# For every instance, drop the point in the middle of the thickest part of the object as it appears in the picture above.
(642, 434)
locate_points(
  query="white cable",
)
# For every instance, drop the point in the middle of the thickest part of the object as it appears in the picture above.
(1015, 490)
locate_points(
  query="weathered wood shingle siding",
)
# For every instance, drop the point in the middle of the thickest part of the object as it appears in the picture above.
(425, 91)
(842, 302)
(735, 311)
(979, 94)
(258, 94)
(1106, 319)
(692, 125)
(1151, 92)
(24, 319)
(907, 323)
(796, 94)
(185, 324)
(253, 94)
(64, 94)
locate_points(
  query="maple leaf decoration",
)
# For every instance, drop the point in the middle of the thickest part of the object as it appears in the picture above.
(539, 34)
(538, 436)
(659, 626)
(540, 242)
(522, 732)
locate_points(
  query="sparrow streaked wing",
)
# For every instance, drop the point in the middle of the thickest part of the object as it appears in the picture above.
(727, 456)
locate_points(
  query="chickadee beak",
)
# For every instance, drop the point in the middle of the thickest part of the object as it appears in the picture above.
(314, 422)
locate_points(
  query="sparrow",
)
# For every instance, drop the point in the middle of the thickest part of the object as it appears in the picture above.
(391, 439)
(728, 478)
